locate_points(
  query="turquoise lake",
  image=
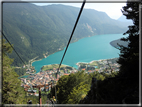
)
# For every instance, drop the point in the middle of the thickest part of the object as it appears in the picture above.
(85, 50)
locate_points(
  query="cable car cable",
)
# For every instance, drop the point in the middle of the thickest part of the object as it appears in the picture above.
(72, 32)
(13, 48)
(70, 39)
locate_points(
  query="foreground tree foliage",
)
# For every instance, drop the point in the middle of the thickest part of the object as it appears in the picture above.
(129, 56)
(74, 87)
(12, 92)
(70, 86)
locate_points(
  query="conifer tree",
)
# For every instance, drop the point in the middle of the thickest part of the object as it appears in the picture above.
(12, 92)
(129, 56)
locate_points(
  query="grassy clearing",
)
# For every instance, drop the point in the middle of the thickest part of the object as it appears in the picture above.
(94, 63)
(50, 67)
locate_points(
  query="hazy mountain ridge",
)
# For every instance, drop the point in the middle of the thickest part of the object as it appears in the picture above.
(35, 30)
(124, 20)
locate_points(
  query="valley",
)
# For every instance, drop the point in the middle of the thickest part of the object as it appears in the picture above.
(94, 69)
(35, 30)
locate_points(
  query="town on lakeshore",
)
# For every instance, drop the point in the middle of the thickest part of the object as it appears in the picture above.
(49, 74)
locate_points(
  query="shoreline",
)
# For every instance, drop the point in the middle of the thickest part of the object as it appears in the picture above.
(34, 61)
(82, 62)
(44, 57)
(58, 50)
(72, 66)
(62, 65)
(94, 60)
(65, 47)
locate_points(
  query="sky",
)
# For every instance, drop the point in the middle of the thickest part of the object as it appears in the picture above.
(111, 7)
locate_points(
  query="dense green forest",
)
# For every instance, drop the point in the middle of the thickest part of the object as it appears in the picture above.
(74, 87)
(36, 30)
(20, 71)
(12, 92)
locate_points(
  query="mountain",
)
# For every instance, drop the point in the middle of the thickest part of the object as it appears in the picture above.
(122, 18)
(37, 30)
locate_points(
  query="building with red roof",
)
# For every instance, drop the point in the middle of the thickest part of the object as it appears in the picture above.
(83, 69)
(66, 74)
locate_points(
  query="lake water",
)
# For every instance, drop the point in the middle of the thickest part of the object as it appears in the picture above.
(85, 50)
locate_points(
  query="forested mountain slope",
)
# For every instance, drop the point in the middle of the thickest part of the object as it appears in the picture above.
(36, 30)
